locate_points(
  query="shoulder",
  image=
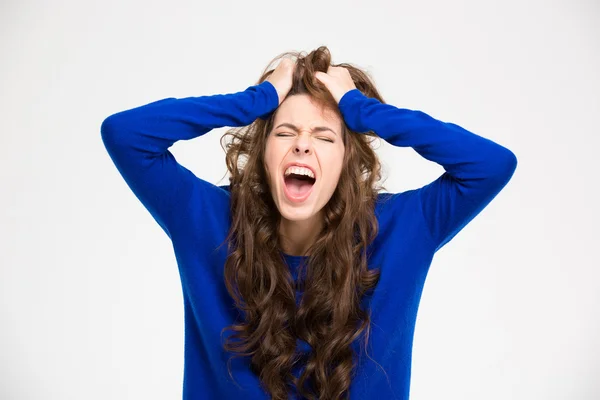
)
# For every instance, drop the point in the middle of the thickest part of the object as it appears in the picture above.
(209, 202)
(206, 216)
(397, 202)
(399, 210)
(401, 221)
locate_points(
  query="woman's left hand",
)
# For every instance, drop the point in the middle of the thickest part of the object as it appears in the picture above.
(337, 80)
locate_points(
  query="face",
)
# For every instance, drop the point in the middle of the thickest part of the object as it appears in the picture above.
(311, 143)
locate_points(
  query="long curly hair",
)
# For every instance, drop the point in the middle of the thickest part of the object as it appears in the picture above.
(329, 316)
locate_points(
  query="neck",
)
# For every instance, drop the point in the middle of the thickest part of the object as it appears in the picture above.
(298, 236)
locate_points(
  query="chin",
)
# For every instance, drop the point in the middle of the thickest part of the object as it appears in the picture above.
(297, 213)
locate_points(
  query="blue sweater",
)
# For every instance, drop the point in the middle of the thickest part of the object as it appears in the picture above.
(195, 215)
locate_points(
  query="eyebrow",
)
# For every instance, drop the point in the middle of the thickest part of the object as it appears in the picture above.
(315, 129)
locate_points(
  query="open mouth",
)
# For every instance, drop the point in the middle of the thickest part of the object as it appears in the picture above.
(298, 186)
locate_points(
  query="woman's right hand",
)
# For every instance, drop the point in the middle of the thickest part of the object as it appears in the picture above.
(281, 77)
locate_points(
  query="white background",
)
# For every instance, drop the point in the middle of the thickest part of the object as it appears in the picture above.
(90, 298)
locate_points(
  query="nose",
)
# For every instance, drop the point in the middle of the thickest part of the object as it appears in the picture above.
(303, 145)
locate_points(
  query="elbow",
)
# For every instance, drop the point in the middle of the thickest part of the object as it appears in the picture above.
(108, 130)
(112, 131)
(114, 125)
(510, 162)
(505, 165)
(108, 126)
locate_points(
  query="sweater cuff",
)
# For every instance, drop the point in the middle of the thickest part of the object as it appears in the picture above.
(350, 107)
(272, 98)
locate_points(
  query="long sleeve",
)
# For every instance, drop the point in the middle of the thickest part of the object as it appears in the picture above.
(476, 168)
(138, 140)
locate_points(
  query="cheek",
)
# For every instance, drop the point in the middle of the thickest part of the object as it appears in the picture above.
(332, 161)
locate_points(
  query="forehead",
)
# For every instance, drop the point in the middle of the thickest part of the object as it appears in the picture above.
(301, 111)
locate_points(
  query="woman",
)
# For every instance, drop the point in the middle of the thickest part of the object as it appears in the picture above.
(316, 272)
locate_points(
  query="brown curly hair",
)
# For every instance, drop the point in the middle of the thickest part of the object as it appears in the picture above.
(329, 316)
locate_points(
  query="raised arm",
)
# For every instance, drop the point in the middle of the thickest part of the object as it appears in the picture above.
(138, 140)
(476, 168)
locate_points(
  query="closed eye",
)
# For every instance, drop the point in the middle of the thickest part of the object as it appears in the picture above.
(326, 139)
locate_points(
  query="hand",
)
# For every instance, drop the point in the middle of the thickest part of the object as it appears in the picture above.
(281, 77)
(337, 80)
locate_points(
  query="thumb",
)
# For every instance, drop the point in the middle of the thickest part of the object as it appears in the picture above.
(331, 84)
(323, 77)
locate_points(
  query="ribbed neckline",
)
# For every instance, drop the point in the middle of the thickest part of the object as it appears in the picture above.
(294, 260)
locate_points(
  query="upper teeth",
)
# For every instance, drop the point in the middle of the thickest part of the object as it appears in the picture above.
(299, 171)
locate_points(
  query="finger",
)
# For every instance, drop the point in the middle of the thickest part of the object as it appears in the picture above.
(338, 71)
(322, 76)
(288, 62)
(284, 63)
